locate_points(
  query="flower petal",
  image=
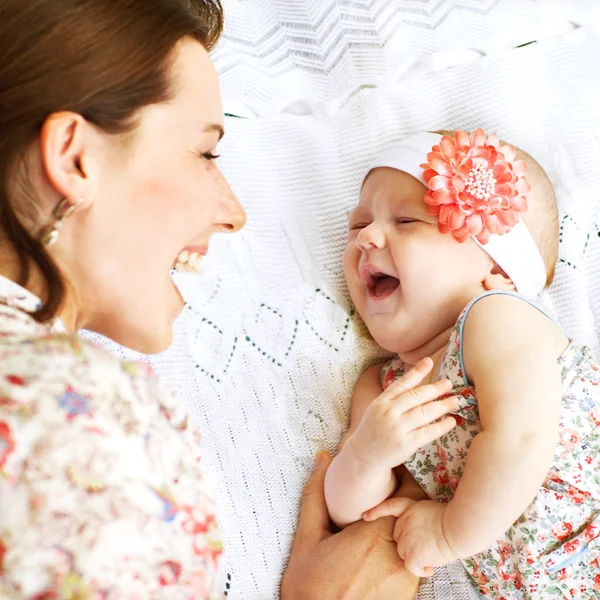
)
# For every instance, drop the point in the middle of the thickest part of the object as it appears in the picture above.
(505, 177)
(441, 166)
(478, 137)
(475, 224)
(445, 211)
(428, 174)
(458, 184)
(457, 218)
(464, 169)
(504, 189)
(490, 222)
(462, 234)
(520, 167)
(430, 198)
(500, 166)
(480, 161)
(522, 186)
(439, 182)
(447, 147)
(507, 218)
(493, 141)
(481, 151)
(519, 203)
(509, 152)
(484, 237)
(444, 197)
(462, 139)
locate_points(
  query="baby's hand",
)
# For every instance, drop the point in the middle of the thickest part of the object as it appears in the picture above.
(419, 533)
(400, 420)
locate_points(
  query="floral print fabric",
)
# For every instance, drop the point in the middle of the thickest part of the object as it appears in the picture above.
(553, 550)
(101, 495)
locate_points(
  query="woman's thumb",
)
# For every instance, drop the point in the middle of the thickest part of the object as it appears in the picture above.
(313, 524)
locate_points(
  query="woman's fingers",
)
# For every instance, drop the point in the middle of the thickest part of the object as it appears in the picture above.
(391, 507)
(429, 433)
(423, 415)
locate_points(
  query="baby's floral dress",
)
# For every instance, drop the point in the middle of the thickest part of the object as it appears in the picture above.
(552, 552)
(101, 495)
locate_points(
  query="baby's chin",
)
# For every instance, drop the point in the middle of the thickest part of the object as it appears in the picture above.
(400, 342)
(392, 343)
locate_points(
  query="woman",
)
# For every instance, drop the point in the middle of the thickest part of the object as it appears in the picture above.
(110, 116)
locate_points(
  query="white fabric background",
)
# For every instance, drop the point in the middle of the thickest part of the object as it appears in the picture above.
(268, 350)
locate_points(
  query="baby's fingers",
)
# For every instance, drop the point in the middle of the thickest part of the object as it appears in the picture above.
(410, 379)
(422, 395)
(425, 414)
(391, 507)
(416, 569)
(413, 559)
(433, 431)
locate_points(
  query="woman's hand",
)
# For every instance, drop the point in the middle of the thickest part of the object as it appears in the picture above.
(402, 419)
(419, 532)
(359, 563)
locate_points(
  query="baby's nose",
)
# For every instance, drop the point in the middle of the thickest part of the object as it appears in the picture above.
(370, 237)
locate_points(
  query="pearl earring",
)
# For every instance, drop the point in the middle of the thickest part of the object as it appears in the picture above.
(64, 209)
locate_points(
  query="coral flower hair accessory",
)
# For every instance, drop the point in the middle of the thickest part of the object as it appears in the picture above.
(476, 187)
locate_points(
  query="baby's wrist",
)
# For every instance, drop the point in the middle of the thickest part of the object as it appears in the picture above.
(448, 538)
(365, 463)
(458, 537)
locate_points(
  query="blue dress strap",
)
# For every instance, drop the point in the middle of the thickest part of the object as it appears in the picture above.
(463, 318)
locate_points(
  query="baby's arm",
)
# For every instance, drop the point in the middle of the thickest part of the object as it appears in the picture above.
(510, 352)
(385, 429)
(349, 487)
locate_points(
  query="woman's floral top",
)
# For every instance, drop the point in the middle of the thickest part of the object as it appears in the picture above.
(553, 550)
(101, 495)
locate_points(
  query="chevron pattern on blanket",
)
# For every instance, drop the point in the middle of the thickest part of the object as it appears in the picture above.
(275, 53)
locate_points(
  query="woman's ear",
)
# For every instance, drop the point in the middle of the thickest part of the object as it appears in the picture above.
(63, 153)
(497, 279)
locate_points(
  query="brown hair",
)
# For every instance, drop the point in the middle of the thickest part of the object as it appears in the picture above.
(103, 59)
(542, 214)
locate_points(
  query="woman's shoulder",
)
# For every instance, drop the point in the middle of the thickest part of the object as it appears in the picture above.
(69, 371)
(101, 444)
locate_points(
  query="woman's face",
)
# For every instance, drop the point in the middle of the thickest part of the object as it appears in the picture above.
(152, 193)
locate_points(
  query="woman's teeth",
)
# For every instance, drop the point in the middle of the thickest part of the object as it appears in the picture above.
(188, 262)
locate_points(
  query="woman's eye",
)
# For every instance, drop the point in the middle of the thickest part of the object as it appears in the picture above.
(210, 156)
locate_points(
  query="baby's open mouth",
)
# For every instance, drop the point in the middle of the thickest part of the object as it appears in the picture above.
(382, 285)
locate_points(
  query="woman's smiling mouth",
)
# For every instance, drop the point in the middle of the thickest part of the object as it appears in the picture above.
(189, 260)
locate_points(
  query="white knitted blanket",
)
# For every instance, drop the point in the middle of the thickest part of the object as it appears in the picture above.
(268, 350)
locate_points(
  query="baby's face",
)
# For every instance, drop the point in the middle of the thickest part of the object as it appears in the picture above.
(408, 281)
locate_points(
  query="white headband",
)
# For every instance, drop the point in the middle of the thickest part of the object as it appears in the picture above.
(515, 252)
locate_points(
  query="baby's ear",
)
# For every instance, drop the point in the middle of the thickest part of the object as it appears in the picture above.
(497, 279)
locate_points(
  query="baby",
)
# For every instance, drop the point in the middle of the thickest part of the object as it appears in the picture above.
(454, 238)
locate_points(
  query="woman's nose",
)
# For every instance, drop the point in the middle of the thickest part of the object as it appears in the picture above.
(231, 216)
(370, 237)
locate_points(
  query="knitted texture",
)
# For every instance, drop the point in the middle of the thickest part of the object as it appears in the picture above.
(268, 349)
